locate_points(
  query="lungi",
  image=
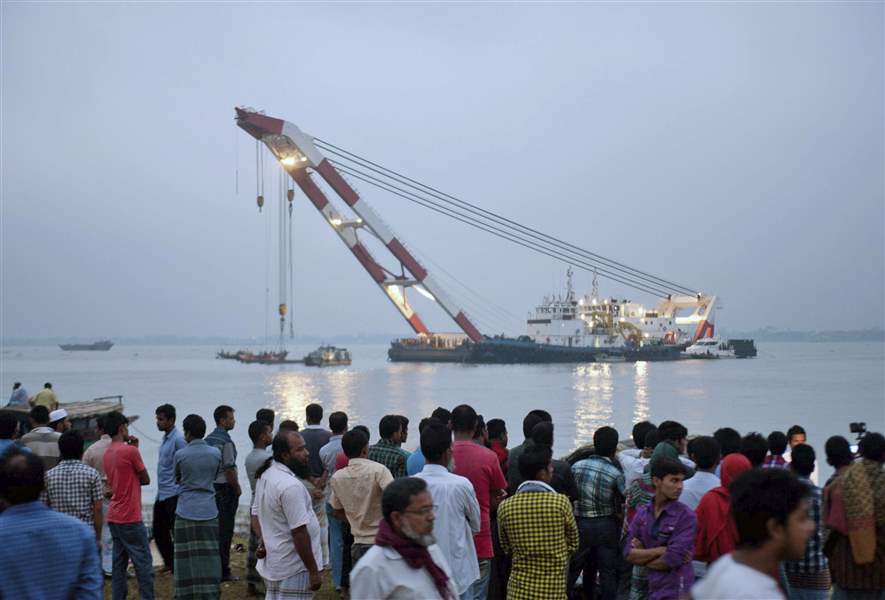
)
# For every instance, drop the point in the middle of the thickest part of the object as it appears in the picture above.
(197, 563)
(296, 586)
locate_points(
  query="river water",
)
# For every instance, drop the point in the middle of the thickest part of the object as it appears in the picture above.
(823, 387)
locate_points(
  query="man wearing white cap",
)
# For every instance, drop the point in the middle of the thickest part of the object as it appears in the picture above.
(58, 421)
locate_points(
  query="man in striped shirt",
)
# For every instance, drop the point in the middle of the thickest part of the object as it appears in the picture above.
(387, 451)
(810, 576)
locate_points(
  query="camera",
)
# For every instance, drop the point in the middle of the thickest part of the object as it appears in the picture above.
(859, 429)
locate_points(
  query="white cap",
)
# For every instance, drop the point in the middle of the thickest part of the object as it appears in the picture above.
(57, 415)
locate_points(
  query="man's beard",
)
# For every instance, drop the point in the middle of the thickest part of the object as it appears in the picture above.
(422, 540)
(301, 470)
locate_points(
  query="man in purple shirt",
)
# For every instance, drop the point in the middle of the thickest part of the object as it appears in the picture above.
(661, 536)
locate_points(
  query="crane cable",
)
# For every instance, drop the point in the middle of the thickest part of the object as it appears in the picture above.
(656, 281)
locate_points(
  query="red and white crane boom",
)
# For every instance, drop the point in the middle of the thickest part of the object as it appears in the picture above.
(300, 158)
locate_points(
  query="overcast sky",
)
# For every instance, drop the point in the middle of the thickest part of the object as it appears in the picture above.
(737, 148)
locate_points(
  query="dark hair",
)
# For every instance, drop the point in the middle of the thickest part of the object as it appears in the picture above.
(639, 431)
(542, 414)
(70, 445)
(256, 429)
(388, 426)
(662, 467)
(425, 422)
(729, 440)
(542, 433)
(194, 425)
(39, 414)
(480, 426)
(795, 430)
(16, 385)
(398, 494)
(754, 447)
(221, 413)
(113, 421)
(404, 421)
(652, 438)
(533, 459)
(872, 447)
(21, 476)
(8, 424)
(279, 445)
(99, 423)
(672, 431)
(167, 410)
(435, 440)
(463, 418)
(705, 451)
(802, 460)
(266, 415)
(442, 415)
(365, 431)
(338, 422)
(605, 441)
(528, 423)
(353, 442)
(314, 413)
(288, 425)
(47, 385)
(777, 443)
(758, 495)
(838, 452)
(496, 428)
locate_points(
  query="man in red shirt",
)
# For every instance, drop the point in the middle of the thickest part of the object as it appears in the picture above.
(480, 465)
(126, 474)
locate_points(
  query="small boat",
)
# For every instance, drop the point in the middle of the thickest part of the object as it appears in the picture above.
(328, 356)
(267, 358)
(103, 345)
(82, 415)
(709, 348)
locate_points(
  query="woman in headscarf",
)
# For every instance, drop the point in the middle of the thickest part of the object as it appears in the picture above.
(717, 534)
(857, 545)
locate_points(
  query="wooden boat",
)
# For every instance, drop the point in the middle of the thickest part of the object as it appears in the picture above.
(82, 415)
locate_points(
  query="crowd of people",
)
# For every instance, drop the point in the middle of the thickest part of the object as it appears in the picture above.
(668, 516)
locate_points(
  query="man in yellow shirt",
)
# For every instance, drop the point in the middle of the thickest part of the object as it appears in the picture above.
(46, 397)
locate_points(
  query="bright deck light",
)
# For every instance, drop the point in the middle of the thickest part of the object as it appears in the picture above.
(289, 161)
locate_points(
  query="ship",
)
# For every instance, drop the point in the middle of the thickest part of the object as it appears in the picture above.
(102, 345)
(328, 356)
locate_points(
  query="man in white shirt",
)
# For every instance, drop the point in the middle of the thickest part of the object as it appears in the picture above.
(405, 563)
(284, 520)
(770, 509)
(633, 460)
(704, 451)
(455, 503)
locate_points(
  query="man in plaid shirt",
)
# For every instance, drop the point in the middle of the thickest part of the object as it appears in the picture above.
(73, 487)
(599, 510)
(537, 528)
(810, 577)
(387, 450)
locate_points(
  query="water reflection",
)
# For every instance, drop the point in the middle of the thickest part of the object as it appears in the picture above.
(291, 392)
(640, 398)
(593, 389)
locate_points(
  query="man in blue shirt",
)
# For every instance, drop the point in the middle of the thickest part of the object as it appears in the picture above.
(54, 555)
(197, 561)
(167, 489)
(227, 484)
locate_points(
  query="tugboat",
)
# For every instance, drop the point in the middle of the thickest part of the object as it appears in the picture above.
(328, 356)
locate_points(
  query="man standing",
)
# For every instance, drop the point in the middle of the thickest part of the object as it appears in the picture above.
(94, 457)
(227, 484)
(770, 510)
(513, 476)
(197, 562)
(704, 451)
(41, 439)
(405, 562)
(457, 510)
(58, 420)
(387, 451)
(661, 535)
(45, 554)
(328, 454)
(261, 434)
(19, 395)
(796, 435)
(315, 437)
(126, 474)
(167, 488)
(537, 528)
(481, 467)
(287, 525)
(356, 492)
(73, 487)
(600, 500)
(45, 397)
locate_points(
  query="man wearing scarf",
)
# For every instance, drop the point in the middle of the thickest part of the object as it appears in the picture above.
(857, 528)
(405, 563)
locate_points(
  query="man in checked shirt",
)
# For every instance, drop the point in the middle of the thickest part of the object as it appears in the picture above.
(73, 487)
